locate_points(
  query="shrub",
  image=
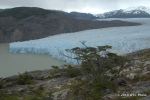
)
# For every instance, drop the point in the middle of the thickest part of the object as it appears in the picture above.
(1, 84)
(24, 79)
(97, 61)
(55, 72)
(95, 64)
(72, 71)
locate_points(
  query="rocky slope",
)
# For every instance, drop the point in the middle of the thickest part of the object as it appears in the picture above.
(25, 23)
(55, 85)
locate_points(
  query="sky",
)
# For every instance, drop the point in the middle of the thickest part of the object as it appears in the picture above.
(87, 6)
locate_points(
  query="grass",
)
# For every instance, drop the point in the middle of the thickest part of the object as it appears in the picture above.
(9, 97)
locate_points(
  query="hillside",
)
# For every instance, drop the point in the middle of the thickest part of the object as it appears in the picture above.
(25, 23)
(69, 82)
(83, 16)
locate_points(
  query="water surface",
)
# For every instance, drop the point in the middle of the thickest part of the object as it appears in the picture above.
(11, 64)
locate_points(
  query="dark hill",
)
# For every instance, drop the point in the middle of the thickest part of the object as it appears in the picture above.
(25, 23)
(84, 16)
(23, 12)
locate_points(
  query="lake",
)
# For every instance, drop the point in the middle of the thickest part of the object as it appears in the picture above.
(11, 64)
(124, 40)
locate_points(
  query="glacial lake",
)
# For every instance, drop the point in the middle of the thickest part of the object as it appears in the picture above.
(11, 64)
(124, 40)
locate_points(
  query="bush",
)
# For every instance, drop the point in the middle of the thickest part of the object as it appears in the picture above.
(98, 66)
(1, 84)
(24, 79)
(72, 71)
(97, 61)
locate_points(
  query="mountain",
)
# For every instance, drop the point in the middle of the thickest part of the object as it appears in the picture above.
(134, 12)
(84, 16)
(26, 23)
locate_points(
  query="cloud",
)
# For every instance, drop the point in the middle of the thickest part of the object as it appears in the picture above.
(91, 6)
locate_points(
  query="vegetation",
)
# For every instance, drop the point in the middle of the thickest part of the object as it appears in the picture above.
(94, 77)
(71, 71)
(98, 67)
(36, 94)
(9, 97)
(1, 84)
(24, 79)
(28, 97)
(67, 71)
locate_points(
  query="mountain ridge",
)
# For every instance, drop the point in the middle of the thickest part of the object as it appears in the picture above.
(132, 12)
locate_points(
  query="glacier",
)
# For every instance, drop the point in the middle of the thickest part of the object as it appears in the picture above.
(124, 40)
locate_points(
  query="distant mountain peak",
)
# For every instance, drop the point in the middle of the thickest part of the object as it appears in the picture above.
(131, 12)
(141, 8)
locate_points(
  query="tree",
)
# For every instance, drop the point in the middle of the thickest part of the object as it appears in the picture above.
(99, 67)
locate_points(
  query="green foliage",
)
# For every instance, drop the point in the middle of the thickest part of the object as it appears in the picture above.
(55, 67)
(91, 90)
(67, 70)
(97, 61)
(4, 96)
(96, 65)
(72, 71)
(1, 84)
(24, 79)
(55, 72)
(9, 97)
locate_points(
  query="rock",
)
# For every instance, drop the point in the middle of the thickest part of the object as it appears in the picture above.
(121, 82)
(110, 97)
(107, 91)
(131, 75)
(61, 95)
(146, 98)
(141, 87)
(147, 63)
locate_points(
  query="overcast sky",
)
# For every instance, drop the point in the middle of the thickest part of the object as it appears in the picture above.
(88, 6)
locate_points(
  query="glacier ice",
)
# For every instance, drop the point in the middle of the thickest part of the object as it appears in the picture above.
(123, 40)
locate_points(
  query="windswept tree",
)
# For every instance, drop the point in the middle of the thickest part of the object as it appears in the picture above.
(99, 67)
